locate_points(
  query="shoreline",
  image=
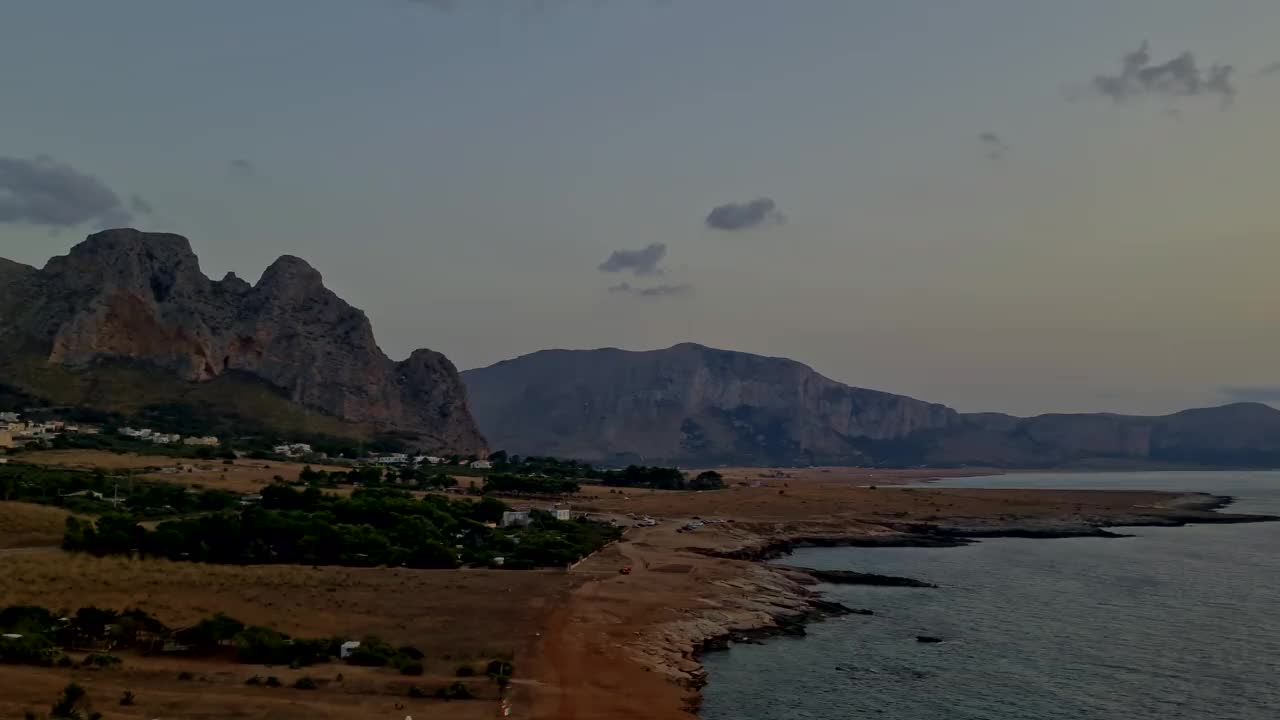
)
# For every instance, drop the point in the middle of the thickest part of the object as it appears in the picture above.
(1199, 508)
(706, 591)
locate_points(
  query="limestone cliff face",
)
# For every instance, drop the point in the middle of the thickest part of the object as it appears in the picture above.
(689, 404)
(142, 296)
(699, 406)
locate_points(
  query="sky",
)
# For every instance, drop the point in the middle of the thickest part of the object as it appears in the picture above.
(1008, 205)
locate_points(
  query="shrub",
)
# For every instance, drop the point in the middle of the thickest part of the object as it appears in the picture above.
(255, 680)
(186, 675)
(410, 667)
(416, 692)
(411, 652)
(101, 660)
(465, 671)
(272, 681)
(27, 650)
(305, 683)
(128, 698)
(454, 691)
(500, 667)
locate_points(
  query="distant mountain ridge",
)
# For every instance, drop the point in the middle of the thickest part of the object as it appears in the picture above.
(125, 300)
(695, 405)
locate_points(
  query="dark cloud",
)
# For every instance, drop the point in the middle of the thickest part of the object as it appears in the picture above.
(1180, 77)
(743, 216)
(243, 169)
(43, 191)
(1251, 393)
(679, 290)
(993, 146)
(140, 206)
(637, 262)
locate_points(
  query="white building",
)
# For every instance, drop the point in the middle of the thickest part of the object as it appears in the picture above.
(9, 417)
(164, 438)
(481, 465)
(562, 514)
(391, 459)
(345, 650)
(515, 518)
(292, 449)
(209, 441)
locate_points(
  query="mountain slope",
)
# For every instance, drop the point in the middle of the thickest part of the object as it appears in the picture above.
(126, 296)
(687, 404)
(699, 406)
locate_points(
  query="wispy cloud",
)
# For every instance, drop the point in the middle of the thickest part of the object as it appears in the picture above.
(242, 169)
(993, 146)
(1180, 77)
(655, 291)
(743, 216)
(1272, 69)
(646, 261)
(43, 191)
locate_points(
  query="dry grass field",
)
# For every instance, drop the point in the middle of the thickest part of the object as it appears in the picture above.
(455, 617)
(241, 476)
(23, 525)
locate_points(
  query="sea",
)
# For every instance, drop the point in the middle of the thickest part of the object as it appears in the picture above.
(1171, 624)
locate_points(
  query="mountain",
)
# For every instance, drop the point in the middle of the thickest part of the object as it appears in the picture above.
(127, 317)
(688, 404)
(695, 405)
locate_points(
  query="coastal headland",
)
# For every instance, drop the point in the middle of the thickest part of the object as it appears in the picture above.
(588, 642)
(628, 645)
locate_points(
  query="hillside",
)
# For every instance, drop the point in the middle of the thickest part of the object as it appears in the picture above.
(700, 406)
(126, 323)
(689, 404)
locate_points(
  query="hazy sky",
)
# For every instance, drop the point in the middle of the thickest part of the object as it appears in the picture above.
(996, 204)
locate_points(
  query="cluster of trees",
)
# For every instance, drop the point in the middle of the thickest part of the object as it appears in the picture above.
(378, 476)
(545, 466)
(659, 478)
(43, 634)
(370, 528)
(34, 635)
(529, 485)
(59, 486)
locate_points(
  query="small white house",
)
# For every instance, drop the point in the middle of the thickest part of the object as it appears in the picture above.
(345, 650)
(209, 441)
(515, 518)
(562, 514)
(481, 465)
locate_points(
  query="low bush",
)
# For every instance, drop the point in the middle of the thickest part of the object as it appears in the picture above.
(305, 683)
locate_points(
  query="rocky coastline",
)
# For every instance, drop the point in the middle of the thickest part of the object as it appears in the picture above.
(786, 606)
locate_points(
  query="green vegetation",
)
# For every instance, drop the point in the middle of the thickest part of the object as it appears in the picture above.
(370, 528)
(638, 476)
(527, 485)
(72, 705)
(232, 404)
(92, 492)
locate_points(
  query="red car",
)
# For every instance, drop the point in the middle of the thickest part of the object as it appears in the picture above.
(625, 571)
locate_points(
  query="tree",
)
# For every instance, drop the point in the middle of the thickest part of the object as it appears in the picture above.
(708, 480)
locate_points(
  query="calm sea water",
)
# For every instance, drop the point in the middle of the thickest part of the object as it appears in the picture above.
(1175, 623)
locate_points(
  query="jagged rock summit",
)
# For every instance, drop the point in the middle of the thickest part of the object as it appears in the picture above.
(129, 295)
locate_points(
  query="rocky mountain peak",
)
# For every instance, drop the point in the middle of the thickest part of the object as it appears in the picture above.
(124, 294)
(292, 273)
